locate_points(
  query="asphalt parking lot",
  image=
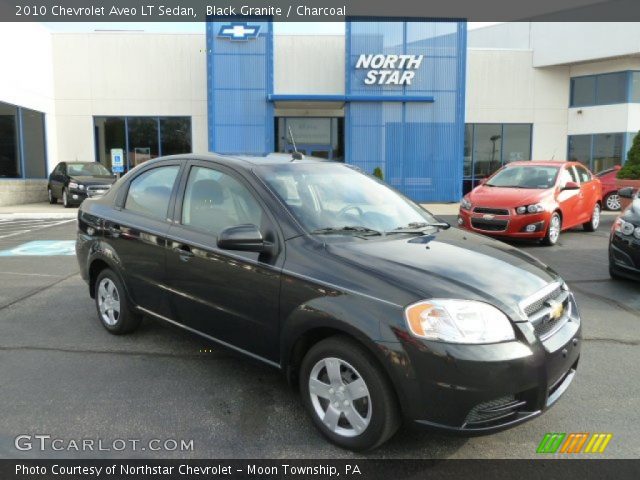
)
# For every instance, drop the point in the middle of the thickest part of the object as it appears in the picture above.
(63, 375)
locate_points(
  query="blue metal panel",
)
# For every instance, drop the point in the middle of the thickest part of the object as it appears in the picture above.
(239, 80)
(418, 145)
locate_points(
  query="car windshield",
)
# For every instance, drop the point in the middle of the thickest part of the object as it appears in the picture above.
(524, 176)
(87, 170)
(335, 198)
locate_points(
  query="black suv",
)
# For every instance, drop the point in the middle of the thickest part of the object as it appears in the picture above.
(75, 181)
(375, 309)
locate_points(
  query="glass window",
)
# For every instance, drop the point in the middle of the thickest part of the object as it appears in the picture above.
(580, 148)
(516, 143)
(521, 176)
(175, 135)
(35, 162)
(468, 142)
(607, 151)
(150, 192)
(143, 139)
(214, 201)
(487, 146)
(612, 88)
(583, 174)
(583, 91)
(635, 87)
(87, 169)
(567, 175)
(9, 146)
(109, 133)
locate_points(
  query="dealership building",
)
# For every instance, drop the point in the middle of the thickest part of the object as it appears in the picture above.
(434, 106)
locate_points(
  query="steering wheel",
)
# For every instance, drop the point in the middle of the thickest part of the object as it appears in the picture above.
(344, 210)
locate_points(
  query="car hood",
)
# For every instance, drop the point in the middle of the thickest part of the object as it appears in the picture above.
(451, 264)
(506, 197)
(94, 180)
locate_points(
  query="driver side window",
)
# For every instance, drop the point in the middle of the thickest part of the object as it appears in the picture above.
(214, 200)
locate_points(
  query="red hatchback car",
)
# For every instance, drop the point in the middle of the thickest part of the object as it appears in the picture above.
(533, 200)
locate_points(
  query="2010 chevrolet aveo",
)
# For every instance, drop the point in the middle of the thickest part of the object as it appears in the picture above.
(376, 310)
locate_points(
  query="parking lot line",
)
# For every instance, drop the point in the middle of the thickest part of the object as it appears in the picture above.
(34, 227)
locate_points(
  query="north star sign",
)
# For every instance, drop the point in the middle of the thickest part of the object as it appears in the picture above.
(389, 69)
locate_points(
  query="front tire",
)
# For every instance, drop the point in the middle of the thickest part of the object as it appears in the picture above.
(349, 398)
(592, 225)
(114, 310)
(65, 198)
(52, 200)
(553, 230)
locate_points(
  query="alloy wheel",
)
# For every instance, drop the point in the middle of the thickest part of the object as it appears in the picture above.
(340, 397)
(554, 229)
(595, 218)
(108, 302)
(613, 202)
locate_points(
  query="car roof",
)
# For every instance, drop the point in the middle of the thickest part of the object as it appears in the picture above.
(246, 161)
(544, 163)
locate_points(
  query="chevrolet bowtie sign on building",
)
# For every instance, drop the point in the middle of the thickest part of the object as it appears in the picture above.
(239, 31)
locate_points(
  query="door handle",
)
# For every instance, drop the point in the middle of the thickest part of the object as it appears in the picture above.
(184, 251)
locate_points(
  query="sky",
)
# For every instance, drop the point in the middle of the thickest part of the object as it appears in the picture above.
(280, 28)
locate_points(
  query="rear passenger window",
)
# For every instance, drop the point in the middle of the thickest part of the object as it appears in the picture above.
(150, 192)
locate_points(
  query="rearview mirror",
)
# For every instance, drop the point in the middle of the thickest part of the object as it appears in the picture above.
(626, 192)
(571, 186)
(244, 238)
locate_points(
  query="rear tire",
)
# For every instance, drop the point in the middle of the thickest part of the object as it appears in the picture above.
(612, 201)
(114, 310)
(354, 406)
(553, 230)
(593, 224)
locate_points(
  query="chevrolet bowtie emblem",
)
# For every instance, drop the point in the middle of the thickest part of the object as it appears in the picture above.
(557, 309)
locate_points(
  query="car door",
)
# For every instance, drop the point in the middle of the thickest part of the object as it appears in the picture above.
(568, 200)
(137, 234)
(232, 296)
(58, 179)
(589, 193)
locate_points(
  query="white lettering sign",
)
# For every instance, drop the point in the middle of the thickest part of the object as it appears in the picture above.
(389, 69)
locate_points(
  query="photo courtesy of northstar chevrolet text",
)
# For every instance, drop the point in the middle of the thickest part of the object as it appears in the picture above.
(235, 240)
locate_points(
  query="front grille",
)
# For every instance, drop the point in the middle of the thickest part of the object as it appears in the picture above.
(499, 409)
(549, 312)
(489, 225)
(491, 211)
(97, 190)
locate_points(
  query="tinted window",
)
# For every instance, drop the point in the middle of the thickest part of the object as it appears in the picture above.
(580, 148)
(516, 143)
(635, 87)
(33, 142)
(583, 174)
(486, 149)
(150, 192)
(583, 91)
(9, 145)
(612, 88)
(607, 150)
(214, 201)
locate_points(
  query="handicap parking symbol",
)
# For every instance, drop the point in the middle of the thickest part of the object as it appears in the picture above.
(42, 248)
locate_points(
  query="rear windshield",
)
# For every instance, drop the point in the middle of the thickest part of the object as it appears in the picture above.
(525, 176)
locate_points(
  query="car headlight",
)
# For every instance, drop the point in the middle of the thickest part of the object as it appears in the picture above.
(626, 228)
(458, 321)
(73, 185)
(536, 208)
(465, 203)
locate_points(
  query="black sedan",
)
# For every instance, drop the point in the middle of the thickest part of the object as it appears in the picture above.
(376, 310)
(624, 242)
(74, 181)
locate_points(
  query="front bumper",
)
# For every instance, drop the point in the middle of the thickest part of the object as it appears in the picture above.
(624, 255)
(511, 225)
(476, 389)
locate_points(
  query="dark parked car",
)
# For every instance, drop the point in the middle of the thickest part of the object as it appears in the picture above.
(75, 181)
(376, 310)
(624, 242)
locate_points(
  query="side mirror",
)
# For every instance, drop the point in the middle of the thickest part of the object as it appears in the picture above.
(571, 186)
(244, 238)
(626, 192)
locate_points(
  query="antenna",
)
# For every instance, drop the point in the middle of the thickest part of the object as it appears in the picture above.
(295, 155)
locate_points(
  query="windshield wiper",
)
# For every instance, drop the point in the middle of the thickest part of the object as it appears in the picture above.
(418, 227)
(348, 229)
